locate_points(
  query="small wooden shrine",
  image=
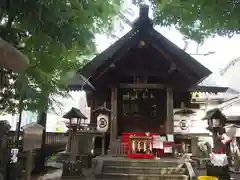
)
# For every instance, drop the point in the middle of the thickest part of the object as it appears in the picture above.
(141, 78)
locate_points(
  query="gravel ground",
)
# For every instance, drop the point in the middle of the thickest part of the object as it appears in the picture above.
(53, 175)
(235, 176)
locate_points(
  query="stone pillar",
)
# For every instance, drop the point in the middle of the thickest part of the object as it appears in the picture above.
(69, 140)
(74, 145)
(194, 146)
(113, 122)
(169, 117)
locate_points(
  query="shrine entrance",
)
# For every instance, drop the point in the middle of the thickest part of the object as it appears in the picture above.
(142, 110)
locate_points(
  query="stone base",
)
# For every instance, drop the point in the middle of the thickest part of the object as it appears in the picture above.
(72, 170)
(63, 156)
(85, 159)
(221, 172)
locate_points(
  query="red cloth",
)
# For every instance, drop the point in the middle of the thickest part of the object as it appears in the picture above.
(221, 150)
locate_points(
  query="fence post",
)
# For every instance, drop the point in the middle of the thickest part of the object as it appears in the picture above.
(28, 165)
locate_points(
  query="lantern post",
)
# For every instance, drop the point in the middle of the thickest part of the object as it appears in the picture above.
(102, 113)
(73, 165)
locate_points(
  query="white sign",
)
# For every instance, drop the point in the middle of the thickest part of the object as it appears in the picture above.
(167, 149)
(163, 138)
(170, 137)
(157, 142)
(14, 153)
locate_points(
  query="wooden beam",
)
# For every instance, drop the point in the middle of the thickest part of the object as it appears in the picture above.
(113, 123)
(141, 86)
(140, 73)
(169, 118)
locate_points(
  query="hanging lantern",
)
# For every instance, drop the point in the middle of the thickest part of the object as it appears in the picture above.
(151, 95)
(126, 96)
(134, 95)
(145, 94)
(102, 118)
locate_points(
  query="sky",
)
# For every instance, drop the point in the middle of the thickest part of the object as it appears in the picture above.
(225, 49)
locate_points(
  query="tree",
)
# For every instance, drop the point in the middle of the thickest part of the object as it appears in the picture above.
(198, 19)
(54, 34)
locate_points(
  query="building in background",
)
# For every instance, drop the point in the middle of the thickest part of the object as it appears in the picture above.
(230, 73)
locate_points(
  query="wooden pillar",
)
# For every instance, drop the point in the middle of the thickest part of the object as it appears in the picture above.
(103, 144)
(113, 123)
(194, 146)
(169, 117)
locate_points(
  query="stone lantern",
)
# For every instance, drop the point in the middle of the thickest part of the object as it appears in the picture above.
(75, 116)
(72, 166)
(216, 121)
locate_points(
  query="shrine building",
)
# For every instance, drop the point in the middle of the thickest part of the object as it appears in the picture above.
(140, 79)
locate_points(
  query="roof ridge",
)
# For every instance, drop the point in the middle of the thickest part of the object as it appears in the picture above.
(230, 63)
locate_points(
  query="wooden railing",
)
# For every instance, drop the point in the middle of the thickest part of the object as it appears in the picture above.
(56, 138)
(52, 138)
(119, 149)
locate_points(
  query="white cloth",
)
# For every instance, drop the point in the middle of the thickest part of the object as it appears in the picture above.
(225, 139)
(219, 159)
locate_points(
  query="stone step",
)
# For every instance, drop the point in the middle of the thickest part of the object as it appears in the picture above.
(144, 170)
(122, 176)
(144, 163)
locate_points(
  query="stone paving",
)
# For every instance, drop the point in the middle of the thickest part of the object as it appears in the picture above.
(54, 175)
(57, 173)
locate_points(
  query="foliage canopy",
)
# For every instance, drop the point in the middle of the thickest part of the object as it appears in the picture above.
(198, 19)
(54, 34)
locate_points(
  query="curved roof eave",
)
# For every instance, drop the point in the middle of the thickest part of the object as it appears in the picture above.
(11, 58)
